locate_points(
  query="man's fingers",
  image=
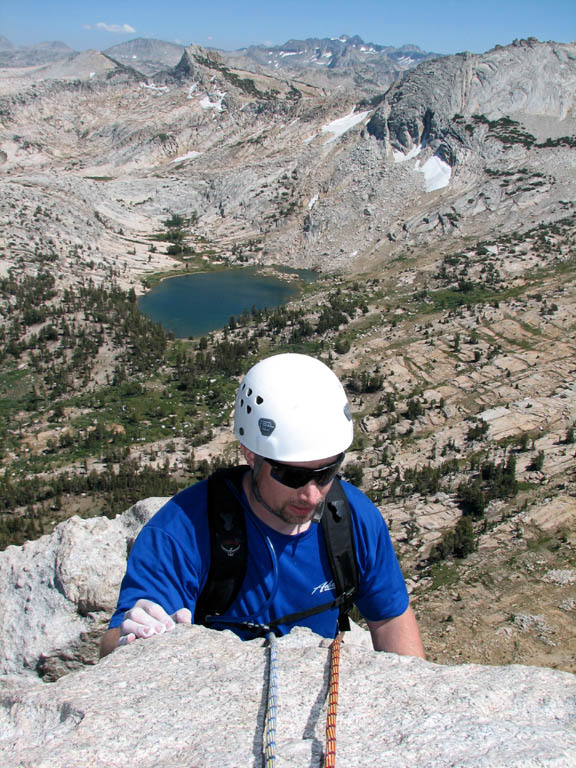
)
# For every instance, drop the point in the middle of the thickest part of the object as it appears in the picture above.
(156, 611)
(147, 618)
(126, 639)
(129, 626)
(183, 616)
(151, 615)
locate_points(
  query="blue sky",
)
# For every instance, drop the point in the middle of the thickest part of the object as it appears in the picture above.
(443, 26)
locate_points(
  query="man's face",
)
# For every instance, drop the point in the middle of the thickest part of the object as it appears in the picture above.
(295, 506)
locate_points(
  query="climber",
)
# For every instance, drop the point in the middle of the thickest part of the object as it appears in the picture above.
(279, 543)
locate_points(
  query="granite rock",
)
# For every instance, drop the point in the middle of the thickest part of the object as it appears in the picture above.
(58, 591)
(198, 698)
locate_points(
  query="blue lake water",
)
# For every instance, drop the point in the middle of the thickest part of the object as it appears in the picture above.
(193, 305)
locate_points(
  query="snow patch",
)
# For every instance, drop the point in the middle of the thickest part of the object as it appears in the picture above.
(400, 157)
(436, 172)
(158, 88)
(339, 127)
(92, 74)
(192, 89)
(312, 202)
(188, 156)
(288, 53)
(207, 103)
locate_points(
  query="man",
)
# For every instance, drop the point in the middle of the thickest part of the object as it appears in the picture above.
(293, 422)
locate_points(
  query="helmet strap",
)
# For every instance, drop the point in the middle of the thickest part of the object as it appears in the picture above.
(258, 461)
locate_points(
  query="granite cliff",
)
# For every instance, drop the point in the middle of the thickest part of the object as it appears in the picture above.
(195, 697)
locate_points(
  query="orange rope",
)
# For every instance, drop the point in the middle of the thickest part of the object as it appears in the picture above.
(330, 752)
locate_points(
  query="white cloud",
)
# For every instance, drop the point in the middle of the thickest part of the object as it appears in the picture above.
(124, 29)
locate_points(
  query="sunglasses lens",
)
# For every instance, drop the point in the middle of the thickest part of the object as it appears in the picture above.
(297, 477)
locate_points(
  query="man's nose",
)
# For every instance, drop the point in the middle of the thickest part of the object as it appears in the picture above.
(311, 493)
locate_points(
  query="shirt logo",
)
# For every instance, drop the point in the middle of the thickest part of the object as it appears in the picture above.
(327, 586)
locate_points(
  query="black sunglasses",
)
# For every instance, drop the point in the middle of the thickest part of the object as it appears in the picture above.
(297, 477)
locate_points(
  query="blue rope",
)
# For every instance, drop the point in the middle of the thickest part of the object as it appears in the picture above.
(272, 705)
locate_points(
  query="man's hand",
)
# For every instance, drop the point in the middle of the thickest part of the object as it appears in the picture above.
(145, 619)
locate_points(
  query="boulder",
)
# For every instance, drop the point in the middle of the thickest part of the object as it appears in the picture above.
(57, 593)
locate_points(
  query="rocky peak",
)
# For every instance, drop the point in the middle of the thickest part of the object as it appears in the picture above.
(5, 44)
(196, 64)
(147, 55)
(526, 77)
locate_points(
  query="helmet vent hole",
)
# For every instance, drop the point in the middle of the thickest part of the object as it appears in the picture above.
(241, 430)
(241, 403)
(249, 392)
(259, 400)
(248, 409)
(243, 386)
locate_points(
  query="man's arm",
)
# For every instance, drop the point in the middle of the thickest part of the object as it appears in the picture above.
(398, 635)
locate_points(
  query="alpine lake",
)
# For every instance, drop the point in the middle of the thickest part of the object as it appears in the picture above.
(195, 304)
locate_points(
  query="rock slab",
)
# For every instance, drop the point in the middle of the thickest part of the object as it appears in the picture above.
(196, 697)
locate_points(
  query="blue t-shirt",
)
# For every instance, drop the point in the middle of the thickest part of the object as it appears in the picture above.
(170, 560)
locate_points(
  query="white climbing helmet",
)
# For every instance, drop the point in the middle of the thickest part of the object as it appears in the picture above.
(292, 408)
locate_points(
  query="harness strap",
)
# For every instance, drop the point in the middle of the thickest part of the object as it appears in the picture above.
(229, 553)
(228, 544)
(341, 600)
(341, 548)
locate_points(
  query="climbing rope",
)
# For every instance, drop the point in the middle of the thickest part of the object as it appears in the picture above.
(272, 705)
(330, 751)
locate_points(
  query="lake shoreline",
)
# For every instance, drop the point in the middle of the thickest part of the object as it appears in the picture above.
(288, 274)
(205, 300)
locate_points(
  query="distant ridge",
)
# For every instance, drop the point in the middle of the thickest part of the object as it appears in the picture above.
(32, 55)
(347, 60)
(344, 57)
(327, 51)
(5, 44)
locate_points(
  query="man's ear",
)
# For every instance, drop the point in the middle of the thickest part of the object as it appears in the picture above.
(249, 456)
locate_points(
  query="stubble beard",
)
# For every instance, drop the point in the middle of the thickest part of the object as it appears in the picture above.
(285, 514)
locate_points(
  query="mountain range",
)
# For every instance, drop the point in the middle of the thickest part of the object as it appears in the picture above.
(338, 58)
(459, 146)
